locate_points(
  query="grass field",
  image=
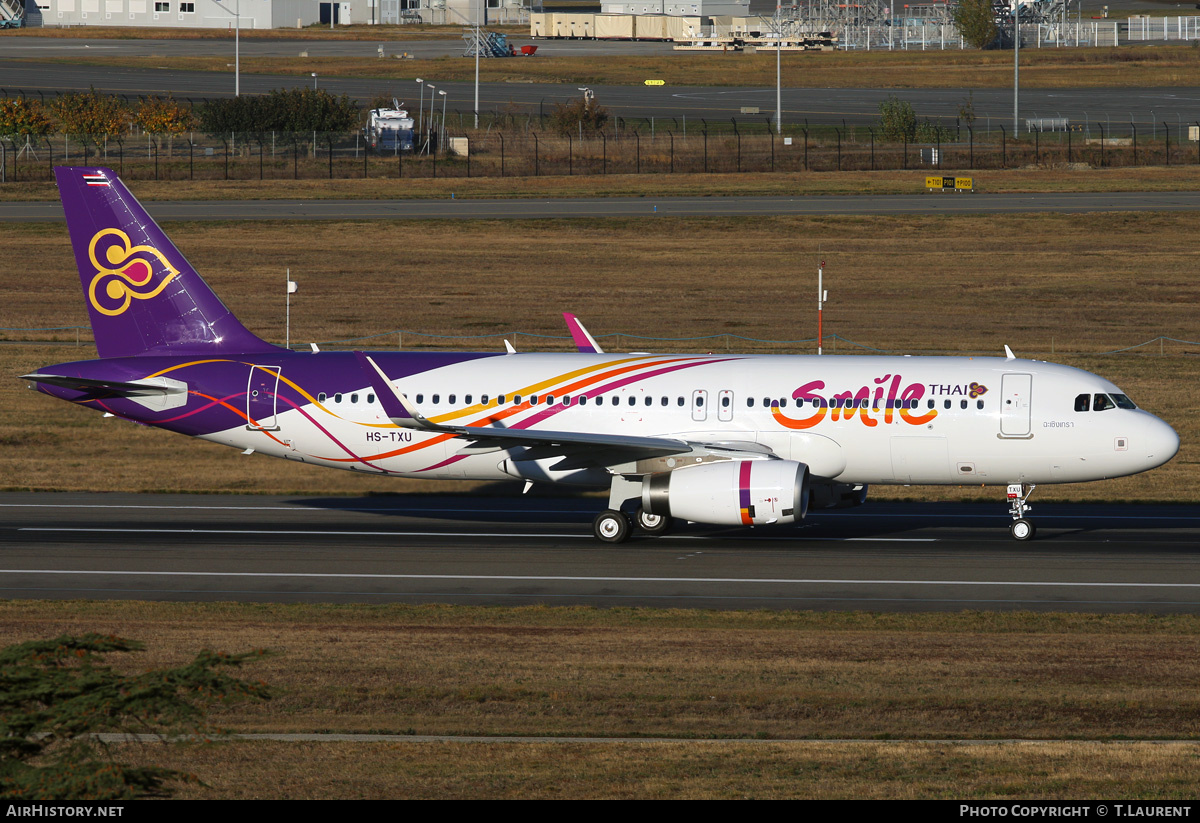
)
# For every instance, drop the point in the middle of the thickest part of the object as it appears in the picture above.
(1057, 287)
(782, 690)
(1124, 67)
(1033, 179)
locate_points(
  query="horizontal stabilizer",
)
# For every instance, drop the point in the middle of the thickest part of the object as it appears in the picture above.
(157, 393)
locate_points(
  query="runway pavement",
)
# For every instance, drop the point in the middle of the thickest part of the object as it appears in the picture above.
(647, 207)
(525, 550)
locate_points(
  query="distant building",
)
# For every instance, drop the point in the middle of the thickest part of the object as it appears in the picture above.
(270, 14)
(207, 14)
(702, 8)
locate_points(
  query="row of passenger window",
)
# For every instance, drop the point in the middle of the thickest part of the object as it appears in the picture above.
(339, 397)
(615, 400)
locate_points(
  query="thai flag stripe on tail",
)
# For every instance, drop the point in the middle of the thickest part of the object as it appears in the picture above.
(96, 179)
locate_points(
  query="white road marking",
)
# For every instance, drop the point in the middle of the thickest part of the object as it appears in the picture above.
(598, 579)
(343, 533)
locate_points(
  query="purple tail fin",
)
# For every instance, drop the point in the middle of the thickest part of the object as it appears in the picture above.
(142, 295)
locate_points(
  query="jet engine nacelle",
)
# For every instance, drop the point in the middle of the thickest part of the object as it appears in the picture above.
(730, 493)
(837, 495)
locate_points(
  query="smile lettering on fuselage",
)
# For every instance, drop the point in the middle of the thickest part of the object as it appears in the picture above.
(864, 403)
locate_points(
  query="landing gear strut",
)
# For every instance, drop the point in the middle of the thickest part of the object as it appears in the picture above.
(1021, 528)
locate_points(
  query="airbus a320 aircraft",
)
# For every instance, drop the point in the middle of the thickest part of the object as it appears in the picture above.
(731, 440)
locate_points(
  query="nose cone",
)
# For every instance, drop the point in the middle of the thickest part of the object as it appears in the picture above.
(1157, 442)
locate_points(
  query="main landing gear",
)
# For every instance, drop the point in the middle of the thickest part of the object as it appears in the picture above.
(1021, 528)
(614, 526)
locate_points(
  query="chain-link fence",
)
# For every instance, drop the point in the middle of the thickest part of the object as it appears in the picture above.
(731, 146)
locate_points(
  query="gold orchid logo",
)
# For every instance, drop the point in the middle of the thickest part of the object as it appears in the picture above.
(127, 273)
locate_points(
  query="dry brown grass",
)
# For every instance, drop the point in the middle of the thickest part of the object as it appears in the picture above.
(688, 674)
(1045, 179)
(1125, 67)
(664, 771)
(1058, 287)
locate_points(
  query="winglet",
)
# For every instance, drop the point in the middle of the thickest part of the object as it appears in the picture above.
(1008, 353)
(583, 341)
(397, 407)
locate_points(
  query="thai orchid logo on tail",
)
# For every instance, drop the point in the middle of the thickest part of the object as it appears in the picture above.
(128, 273)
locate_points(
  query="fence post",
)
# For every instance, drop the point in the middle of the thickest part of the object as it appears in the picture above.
(1068, 144)
(536, 165)
(905, 136)
(260, 158)
(191, 167)
(226, 144)
(637, 137)
(838, 132)
(971, 140)
(1003, 147)
(871, 131)
(501, 136)
(604, 158)
(805, 130)
(366, 151)
(329, 140)
(1103, 153)
(671, 134)
(1167, 141)
(1037, 145)
(705, 148)
(155, 144)
(295, 158)
(570, 156)
(4, 162)
(1133, 126)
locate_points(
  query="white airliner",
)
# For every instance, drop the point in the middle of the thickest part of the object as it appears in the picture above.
(735, 440)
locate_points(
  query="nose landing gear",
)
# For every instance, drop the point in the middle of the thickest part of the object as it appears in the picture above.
(1021, 528)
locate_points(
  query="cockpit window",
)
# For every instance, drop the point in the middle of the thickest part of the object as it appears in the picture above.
(1124, 402)
(1083, 402)
(1102, 402)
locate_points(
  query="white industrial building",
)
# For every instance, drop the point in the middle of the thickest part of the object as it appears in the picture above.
(270, 14)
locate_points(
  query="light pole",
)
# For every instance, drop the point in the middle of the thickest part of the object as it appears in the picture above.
(429, 128)
(421, 111)
(442, 136)
(1016, 59)
(778, 74)
(314, 74)
(237, 45)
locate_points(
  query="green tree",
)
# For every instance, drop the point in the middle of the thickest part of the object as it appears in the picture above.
(976, 22)
(297, 110)
(163, 116)
(21, 117)
(57, 695)
(897, 119)
(91, 115)
(567, 119)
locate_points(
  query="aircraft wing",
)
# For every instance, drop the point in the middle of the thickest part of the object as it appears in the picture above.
(608, 448)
